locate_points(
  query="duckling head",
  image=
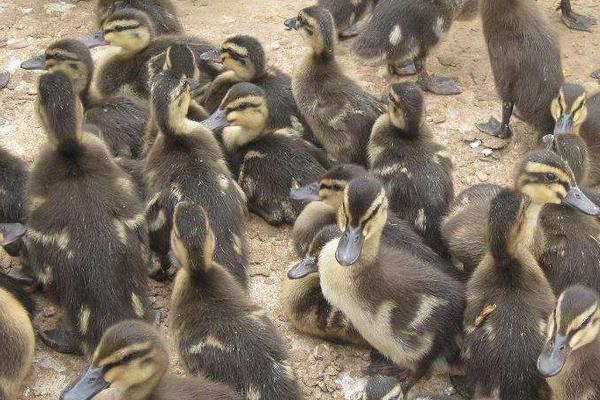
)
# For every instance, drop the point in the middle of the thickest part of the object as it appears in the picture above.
(309, 264)
(317, 27)
(405, 107)
(171, 91)
(128, 363)
(192, 239)
(130, 29)
(573, 324)
(330, 188)
(242, 115)
(547, 179)
(59, 110)
(569, 109)
(361, 218)
(242, 54)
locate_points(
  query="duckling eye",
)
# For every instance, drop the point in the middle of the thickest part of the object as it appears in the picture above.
(73, 66)
(550, 177)
(587, 321)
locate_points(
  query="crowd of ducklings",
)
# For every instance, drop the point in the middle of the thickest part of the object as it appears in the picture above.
(497, 287)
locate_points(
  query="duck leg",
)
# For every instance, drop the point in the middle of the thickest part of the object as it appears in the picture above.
(349, 32)
(573, 20)
(402, 70)
(435, 83)
(60, 339)
(502, 129)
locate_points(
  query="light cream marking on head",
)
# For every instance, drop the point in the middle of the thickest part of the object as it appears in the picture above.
(119, 354)
(137, 305)
(378, 200)
(427, 305)
(253, 393)
(121, 231)
(176, 191)
(209, 341)
(559, 105)
(534, 167)
(158, 222)
(84, 319)
(580, 112)
(421, 220)
(395, 35)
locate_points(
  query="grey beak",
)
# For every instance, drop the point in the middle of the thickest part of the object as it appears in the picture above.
(211, 55)
(350, 246)
(13, 238)
(554, 356)
(307, 266)
(96, 40)
(564, 125)
(86, 386)
(217, 120)
(35, 63)
(291, 23)
(308, 192)
(578, 200)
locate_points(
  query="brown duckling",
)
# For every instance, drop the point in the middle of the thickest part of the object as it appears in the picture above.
(131, 363)
(415, 170)
(83, 211)
(570, 358)
(219, 332)
(17, 340)
(400, 303)
(525, 59)
(405, 31)
(13, 179)
(139, 49)
(121, 119)
(573, 20)
(186, 162)
(346, 13)
(267, 164)
(508, 300)
(339, 112)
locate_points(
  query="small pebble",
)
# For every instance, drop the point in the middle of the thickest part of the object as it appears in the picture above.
(487, 152)
(17, 43)
(275, 45)
(482, 176)
(475, 144)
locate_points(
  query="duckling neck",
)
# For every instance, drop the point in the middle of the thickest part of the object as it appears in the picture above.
(530, 224)
(371, 248)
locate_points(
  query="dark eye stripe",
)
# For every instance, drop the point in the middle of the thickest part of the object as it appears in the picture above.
(120, 28)
(579, 107)
(336, 188)
(372, 215)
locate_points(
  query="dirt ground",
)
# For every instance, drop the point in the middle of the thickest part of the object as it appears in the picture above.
(326, 371)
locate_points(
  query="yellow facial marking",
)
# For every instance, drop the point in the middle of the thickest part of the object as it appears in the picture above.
(534, 167)
(121, 353)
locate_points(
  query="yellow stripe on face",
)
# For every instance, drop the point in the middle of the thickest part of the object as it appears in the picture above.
(576, 322)
(122, 24)
(242, 51)
(536, 168)
(121, 353)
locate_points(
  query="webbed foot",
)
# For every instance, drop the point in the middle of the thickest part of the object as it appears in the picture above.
(578, 22)
(60, 340)
(494, 128)
(402, 70)
(440, 85)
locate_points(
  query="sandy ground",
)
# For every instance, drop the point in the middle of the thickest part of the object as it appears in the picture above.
(326, 371)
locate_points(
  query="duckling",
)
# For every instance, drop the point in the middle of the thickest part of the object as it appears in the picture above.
(120, 119)
(218, 331)
(337, 109)
(13, 179)
(267, 164)
(508, 300)
(86, 237)
(575, 113)
(134, 34)
(405, 307)
(131, 363)
(186, 162)
(162, 13)
(573, 20)
(570, 357)
(415, 170)
(346, 14)
(525, 59)
(17, 337)
(404, 31)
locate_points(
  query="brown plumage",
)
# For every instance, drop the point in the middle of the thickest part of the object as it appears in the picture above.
(162, 13)
(13, 179)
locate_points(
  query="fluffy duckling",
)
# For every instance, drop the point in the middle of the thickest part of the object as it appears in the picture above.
(577, 114)
(403, 32)
(571, 355)
(140, 48)
(13, 179)
(340, 113)
(83, 210)
(131, 363)
(17, 338)
(120, 119)
(405, 307)
(219, 332)
(186, 162)
(508, 300)
(573, 20)
(525, 59)
(267, 164)
(415, 170)
(162, 13)
(346, 14)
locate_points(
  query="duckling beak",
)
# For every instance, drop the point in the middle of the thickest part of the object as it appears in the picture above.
(212, 56)
(35, 63)
(350, 246)
(218, 120)
(86, 386)
(564, 125)
(307, 266)
(96, 40)
(554, 356)
(12, 238)
(308, 192)
(291, 23)
(578, 200)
